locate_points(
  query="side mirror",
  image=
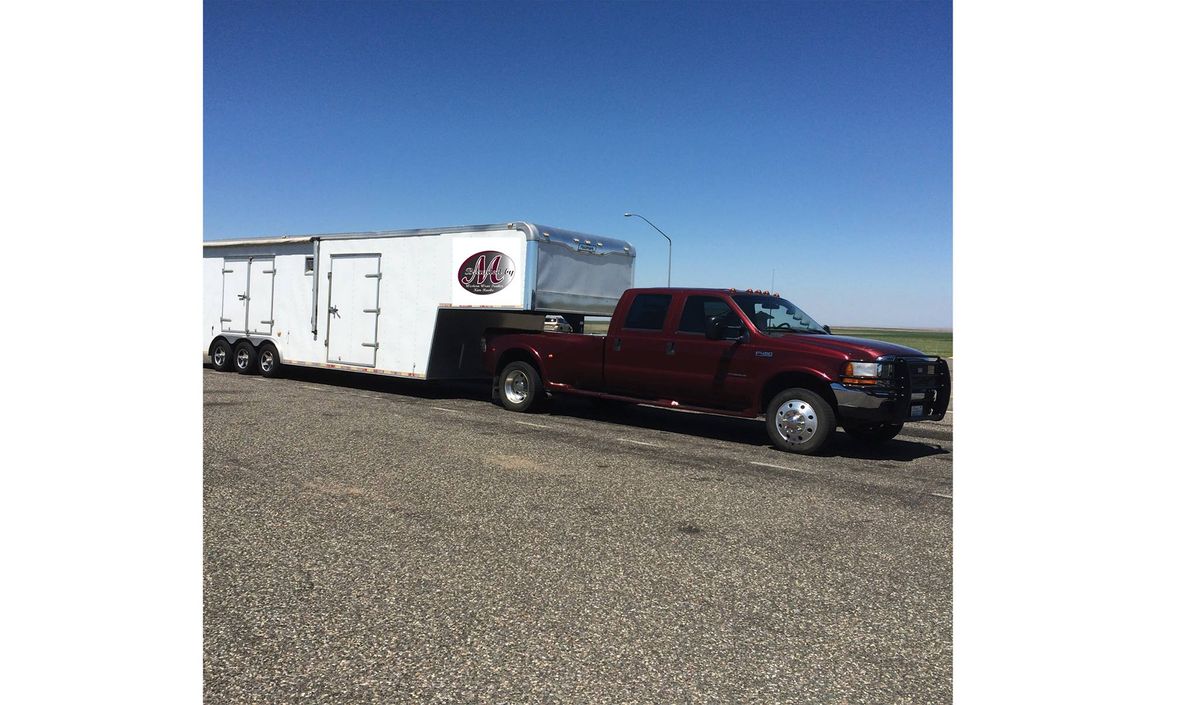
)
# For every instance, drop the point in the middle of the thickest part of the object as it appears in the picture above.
(827, 329)
(715, 329)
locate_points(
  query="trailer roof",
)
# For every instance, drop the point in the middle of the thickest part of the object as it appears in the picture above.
(595, 243)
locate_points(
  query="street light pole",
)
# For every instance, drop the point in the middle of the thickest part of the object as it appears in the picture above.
(668, 244)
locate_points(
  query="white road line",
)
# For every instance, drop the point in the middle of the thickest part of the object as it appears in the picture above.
(641, 443)
(309, 386)
(943, 496)
(535, 425)
(784, 467)
(366, 396)
(442, 408)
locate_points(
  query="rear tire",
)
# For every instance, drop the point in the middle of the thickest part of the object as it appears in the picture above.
(268, 361)
(874, 434)
(799, 420)
(520, 387)
(244, 357)
(222, 356)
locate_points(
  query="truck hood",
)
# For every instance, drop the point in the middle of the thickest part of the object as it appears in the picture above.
(856, 348)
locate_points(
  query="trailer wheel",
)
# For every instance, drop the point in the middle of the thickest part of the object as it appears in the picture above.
(799, 420)
(520, 387)
(268, 361)
(244, 356)
(873, 433)
(222, 356)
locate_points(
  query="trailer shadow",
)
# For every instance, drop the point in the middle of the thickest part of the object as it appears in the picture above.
(480, 390)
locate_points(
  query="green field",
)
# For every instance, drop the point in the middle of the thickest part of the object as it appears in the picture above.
(932, 342)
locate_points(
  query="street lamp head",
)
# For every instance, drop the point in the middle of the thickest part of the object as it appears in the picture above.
(628, 214)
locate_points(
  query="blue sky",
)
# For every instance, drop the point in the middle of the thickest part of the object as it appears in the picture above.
(813, 139)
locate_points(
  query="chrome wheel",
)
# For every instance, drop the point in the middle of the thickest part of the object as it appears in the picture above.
(266, 360)
(796, 420)
(516, 387)
(242, 358)
(218, 357)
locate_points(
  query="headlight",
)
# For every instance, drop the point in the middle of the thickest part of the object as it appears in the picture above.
(863, 369)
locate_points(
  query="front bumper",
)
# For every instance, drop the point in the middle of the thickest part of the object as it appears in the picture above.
(916, 395)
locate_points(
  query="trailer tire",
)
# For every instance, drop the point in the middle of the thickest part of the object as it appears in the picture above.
(244, 358)
(873, 434)
(268, 361)
(222, 356)
(520, 387)
(799, 420)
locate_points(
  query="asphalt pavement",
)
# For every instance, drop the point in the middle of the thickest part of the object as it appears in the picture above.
(373, 540)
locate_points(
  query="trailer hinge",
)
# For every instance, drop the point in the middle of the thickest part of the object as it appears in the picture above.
(371, 345)
(270, 322)
(268, 271)
(373, 276)
(226, 271)
(371, 310)
(227, 320)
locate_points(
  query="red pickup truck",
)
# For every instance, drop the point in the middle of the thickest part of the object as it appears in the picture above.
(739, 353)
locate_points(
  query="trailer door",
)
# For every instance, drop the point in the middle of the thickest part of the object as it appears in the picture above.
(234, 292)
(261, 295)
(353, 312)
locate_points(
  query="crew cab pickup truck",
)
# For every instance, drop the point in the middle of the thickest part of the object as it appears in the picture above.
(734, 352)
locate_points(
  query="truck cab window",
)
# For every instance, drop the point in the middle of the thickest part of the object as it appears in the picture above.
(648, 311)
(699, 309)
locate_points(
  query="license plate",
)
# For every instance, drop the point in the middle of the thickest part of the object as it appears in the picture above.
(917, 411)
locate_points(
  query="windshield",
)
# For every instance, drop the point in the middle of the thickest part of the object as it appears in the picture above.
(772, 314)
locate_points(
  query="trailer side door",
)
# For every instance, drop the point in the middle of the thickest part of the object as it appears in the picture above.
(352, 316)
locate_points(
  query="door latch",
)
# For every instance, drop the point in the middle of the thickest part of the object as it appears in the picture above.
(243, 297)
(334, 312)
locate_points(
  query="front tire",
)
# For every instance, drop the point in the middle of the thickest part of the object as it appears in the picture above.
(874, 434)
(243, 358)
(268, 361)
(799, 420)
(520, 387)
(222, 356)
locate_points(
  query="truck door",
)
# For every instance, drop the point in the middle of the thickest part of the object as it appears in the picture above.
(352, 317)
(715, 373)
(260, 301)
(234, 294)
(640, 350)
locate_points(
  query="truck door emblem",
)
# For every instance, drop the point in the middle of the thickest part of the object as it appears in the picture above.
(764, 353)
(486, 272)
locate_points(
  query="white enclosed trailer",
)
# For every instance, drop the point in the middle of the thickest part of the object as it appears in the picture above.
(410, 303)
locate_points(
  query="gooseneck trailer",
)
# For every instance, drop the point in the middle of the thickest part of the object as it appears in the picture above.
(408, 303)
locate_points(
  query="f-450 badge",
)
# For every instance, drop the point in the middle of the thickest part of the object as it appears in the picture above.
(486, 272)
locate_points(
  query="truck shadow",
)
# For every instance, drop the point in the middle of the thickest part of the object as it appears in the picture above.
(748, 432)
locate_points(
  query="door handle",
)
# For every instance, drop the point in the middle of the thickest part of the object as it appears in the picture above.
(617, 345)
(671, 347)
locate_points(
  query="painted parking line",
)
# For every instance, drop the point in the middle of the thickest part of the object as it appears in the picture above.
(309, 386)
(784, 467)
(641, 443)
(535, 425)
(943, 496)
(442, 408)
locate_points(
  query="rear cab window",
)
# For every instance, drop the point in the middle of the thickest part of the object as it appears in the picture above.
(648, 312)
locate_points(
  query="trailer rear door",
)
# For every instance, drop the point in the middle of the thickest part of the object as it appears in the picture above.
(353, 313)
(234, 291)
(261, 293)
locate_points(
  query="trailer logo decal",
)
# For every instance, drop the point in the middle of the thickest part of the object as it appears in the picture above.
(486, 272)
